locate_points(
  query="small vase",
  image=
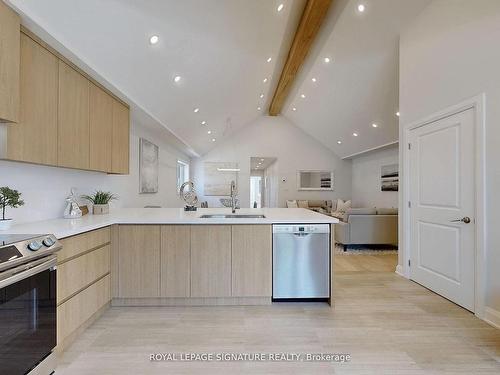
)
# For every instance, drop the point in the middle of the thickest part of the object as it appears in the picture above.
(5, 224)
(100, 209)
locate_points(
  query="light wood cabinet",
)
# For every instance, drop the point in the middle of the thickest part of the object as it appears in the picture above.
(77, 311)
(121, 139)
(139, 261)
(10, 25)
(73, 119)
(78, 245)
(175, 261)
(101, 129)
(210, 261)
(34, 138)
(251, 260)
(76, 274)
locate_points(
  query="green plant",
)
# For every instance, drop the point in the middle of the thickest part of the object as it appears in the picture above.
(9, 198)
(100, 197)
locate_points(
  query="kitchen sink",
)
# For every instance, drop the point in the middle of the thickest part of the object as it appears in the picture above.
(231, 216)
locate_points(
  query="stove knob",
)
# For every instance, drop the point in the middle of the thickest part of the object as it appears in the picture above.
(48, 242)
(34, 245)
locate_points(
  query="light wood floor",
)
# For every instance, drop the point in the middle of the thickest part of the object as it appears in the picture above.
(388, 324)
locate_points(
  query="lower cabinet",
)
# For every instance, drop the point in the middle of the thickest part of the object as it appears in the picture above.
(139, 261)
(251, 261)
(192, 264)
(211, 261)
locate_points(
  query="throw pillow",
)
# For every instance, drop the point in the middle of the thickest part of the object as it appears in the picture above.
(343, 206)
(303, 204)
(292, 204)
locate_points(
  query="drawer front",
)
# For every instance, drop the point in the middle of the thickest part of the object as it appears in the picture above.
(78, 309)
(75, 245)
(76, 274)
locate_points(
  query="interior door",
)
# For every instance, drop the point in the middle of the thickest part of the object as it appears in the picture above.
(442, 210)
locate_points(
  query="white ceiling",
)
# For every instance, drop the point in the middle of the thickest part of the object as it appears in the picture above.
(261, 162)
(360, 84)
(220, 48)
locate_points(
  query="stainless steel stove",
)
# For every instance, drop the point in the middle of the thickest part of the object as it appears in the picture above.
(28, 323)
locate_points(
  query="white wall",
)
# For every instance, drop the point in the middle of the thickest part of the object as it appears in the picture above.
(45, 188)
(295, 150)
(366, 179)
(451, 53)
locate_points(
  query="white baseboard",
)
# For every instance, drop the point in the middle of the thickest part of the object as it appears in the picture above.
(400, 271)
(492, 317)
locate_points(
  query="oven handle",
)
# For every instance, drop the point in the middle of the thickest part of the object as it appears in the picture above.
(27, 270)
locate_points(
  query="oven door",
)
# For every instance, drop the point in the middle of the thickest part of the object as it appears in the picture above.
(27, 315)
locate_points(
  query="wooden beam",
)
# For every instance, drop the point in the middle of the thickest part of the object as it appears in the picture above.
(309, 25)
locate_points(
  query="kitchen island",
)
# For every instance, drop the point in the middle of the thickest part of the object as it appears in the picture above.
(165, 257)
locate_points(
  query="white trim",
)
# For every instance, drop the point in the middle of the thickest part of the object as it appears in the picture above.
(492, 317)
(370, 150)
(478, 104)
(399, 270)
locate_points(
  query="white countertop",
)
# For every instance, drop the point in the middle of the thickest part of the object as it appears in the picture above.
(68, 227)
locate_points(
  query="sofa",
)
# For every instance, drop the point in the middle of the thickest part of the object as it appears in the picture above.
(318, 205)
(368, 226)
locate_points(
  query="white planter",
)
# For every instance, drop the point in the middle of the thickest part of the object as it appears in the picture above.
(5, 224)
(100, 209)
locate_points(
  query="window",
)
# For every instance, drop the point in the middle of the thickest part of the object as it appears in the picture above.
(182, 173)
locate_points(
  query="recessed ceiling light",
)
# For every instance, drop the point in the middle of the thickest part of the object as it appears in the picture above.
(280, 7)
(397, 114)
(196, 110)
(269, 59)
(261, 159)
(355, 134)
(339, 142)
(209, 132)
(154, 39)
(294, 109)
(213, 139)
(326, 59)
(203, 122)
(313, 79)
(261, 96)
(361, 8)
(374, 125)
(258, 108)
(302, 96)
(177, 78)
(264, 80)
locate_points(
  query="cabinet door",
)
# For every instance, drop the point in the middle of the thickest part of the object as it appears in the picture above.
(175, 261)
(10, 26)
(251, 260)
(34, 138)
(121, 139)
(139, 261)
(210, 261)
(73, 120)
(101, 129)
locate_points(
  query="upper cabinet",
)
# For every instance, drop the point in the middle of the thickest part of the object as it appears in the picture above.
(101, 129)
(121, 139)
(60, 115)
(9, 64)
(73, 135)
(34, 138)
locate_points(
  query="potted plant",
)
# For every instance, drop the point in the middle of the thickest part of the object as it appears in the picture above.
(8, 198)
(100, 201)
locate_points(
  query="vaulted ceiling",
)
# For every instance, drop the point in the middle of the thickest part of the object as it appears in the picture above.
(220, 49)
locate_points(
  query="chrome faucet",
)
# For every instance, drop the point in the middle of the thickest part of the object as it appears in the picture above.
(233, 197)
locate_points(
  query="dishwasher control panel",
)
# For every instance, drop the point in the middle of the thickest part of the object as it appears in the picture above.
(301, 228)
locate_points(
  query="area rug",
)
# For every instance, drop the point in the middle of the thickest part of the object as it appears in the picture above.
(365, 250)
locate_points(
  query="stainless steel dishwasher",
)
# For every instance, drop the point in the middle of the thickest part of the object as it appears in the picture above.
(301, 262)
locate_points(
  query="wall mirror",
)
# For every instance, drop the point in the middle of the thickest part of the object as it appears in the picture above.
(315, 180)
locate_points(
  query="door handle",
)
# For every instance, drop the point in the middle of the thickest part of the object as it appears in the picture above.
(465, 220)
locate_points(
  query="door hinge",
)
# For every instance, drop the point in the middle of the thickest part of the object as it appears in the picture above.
(409, 204)
(409, 146)
(409, 263)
